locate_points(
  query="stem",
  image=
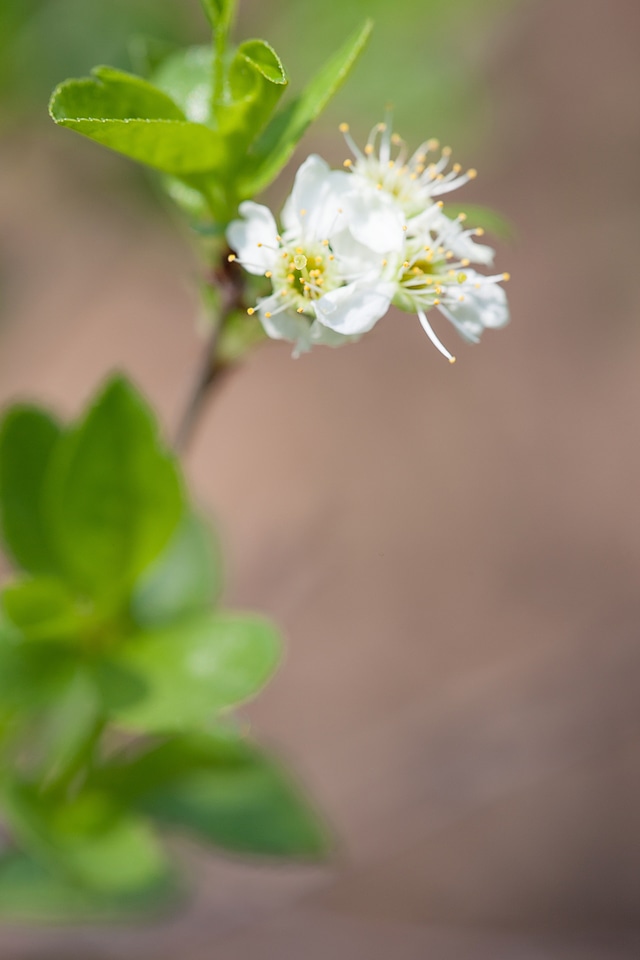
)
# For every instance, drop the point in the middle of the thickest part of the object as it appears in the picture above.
(212, 370)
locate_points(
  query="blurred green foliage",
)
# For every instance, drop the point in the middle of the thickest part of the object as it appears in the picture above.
(117, 672)
(424, 55)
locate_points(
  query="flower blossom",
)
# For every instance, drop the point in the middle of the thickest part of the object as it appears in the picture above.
(358, 240)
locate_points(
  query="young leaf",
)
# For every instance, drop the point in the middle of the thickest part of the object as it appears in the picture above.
(222, 790)
(185, 579)
(219, 12)
(188, 671)
(185, 76)
(256, 81)
(277, 143)
(114, 494)
(28, 437)
(131, 116)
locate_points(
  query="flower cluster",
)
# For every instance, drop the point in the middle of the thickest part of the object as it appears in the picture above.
(357, 240)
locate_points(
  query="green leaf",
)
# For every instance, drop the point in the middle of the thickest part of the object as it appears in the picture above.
(28, 437)
(33, 675)
(130, 115)
(222, 790)
(256, 81)
(31, 893)
(42, 608)
(86, 840)
(185, 76)
(185, 579)
(277, 143)
(114, 494)
(179, 676)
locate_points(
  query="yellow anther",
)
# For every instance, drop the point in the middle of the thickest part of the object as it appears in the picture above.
(421, 157)
(391, 164)
(449, 255)
(413, 176)
(290, 277)
(279, 238)
(462, 277)
(506, 276)
(465, 262)
(251, 311)
(300, 310)
(268, 274)
(461, 298)
(303, 213)
(231, 257)
(267, 315)
(384, 263)
(347, 163)
(396, 139)
(378, 186)
(446, 151)
(436, 302)
(462, 217)
(405, 228)
(325, 243)
(457, 167)
(472, 174)
(433, 144)
(332, 257)
(479, 232)
(406, 265)
(382, 127)
(440, 204)
(368, 149)
(258, 244)
(344, 128)
(452, 359)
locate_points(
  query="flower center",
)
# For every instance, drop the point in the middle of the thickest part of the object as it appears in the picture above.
(303, 274)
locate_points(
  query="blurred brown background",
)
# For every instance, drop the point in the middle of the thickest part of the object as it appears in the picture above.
(454, 552)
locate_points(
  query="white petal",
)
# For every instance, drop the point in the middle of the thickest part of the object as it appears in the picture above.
(353, 256)
(326, 337)
(453, 236)
(312, 210)
(253, 238)
(356, 307)
(374, 218)
(483, 307)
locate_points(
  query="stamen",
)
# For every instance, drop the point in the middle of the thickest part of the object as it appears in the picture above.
(426, 326)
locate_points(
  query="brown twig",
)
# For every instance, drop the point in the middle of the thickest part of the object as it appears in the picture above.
(227, 279)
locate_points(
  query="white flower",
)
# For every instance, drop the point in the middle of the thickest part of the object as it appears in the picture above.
(357, 241)
(411, 181)
(305, 273)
